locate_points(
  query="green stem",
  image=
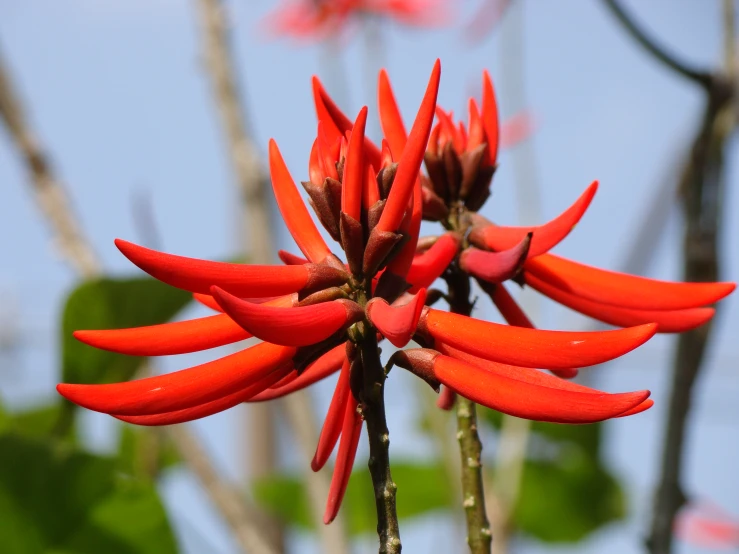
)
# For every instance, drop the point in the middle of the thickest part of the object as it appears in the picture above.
(373, 409)
(479, 537)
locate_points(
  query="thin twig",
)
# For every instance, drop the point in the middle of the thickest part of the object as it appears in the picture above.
(255, 186)
(79, 254)
(702, 187)
(50, 195)
(638, 33)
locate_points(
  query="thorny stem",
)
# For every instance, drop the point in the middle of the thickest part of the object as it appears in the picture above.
(373, 409)
(479, 537)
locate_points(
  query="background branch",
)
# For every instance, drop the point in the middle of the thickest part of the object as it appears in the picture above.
(638, 33)
(702, 187)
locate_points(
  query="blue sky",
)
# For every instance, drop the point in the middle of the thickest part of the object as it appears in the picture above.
(117, 93)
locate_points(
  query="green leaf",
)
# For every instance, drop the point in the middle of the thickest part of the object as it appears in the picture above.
(567, 500)
(568, 495)
(56, 499)
(144, 452)
(108, 303)
(421, 489)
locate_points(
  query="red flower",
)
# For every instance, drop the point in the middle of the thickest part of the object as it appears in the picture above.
(708, 526)
(312, 312)
(319, 19)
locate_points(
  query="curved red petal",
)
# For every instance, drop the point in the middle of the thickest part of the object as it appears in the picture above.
(495, 267)
(410, 161)
(518, 398)
(207, 301)
(334, 419)
(293, 210)
(182, 389)
(299, 326)
(289, 258)
(490, 120)
(514, 315)
(396, 323)
(390, 118)
(668, 321)
(477, 134)
(208, 408)
(623, 290)
(401, 263)
(447, 398)
(545, 237)
(324, 366)
(167, 339)
(354, 172)
(336, 123)
(532, 347)
(427, 267)
(243, 280)
(350, 432)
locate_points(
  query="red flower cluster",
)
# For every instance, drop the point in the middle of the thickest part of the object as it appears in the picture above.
(309, 19)
(316, 315)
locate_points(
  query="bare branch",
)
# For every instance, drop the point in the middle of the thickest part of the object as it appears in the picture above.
(638, 33)
(50, 195)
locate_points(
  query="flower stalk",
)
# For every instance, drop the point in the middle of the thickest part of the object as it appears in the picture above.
(373, 409)
(479, 537)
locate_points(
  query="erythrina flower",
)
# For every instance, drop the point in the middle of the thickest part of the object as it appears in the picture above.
(709, 526)
(460, 161)
(317, 315)
(309, 19)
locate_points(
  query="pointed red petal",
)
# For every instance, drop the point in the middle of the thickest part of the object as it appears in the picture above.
(401, 263)
(529, 375)
(288, 258)
(324, 366)
(396, 323)
(208, 408)
(532, 347)
(623, 290)
(514, 315)
(334, 419)
(350, 432)
(370, 191)
(545, 237)
(427, 267)
(181, 389)
(668, 321)
(293, 209)
(207, 301)
(410, 161)
(243, 280)
(167, 339)
(495, 267)
(337, 124)
(447, 398)
(390, 118)
(354, 172)
(477, 134)
(490, 117)
(300, 326)
(499, 391)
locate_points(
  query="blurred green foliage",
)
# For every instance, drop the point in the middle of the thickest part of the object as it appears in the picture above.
(567, 492)
(55, 496)
(421, 490)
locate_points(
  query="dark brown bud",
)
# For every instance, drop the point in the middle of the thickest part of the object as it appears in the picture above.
(453, 169)
(434, 208)
(420, 362)
(322, 202)
(437, 175)
(352, 240)
(385, 179)
(471, 165)
(379, 246)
